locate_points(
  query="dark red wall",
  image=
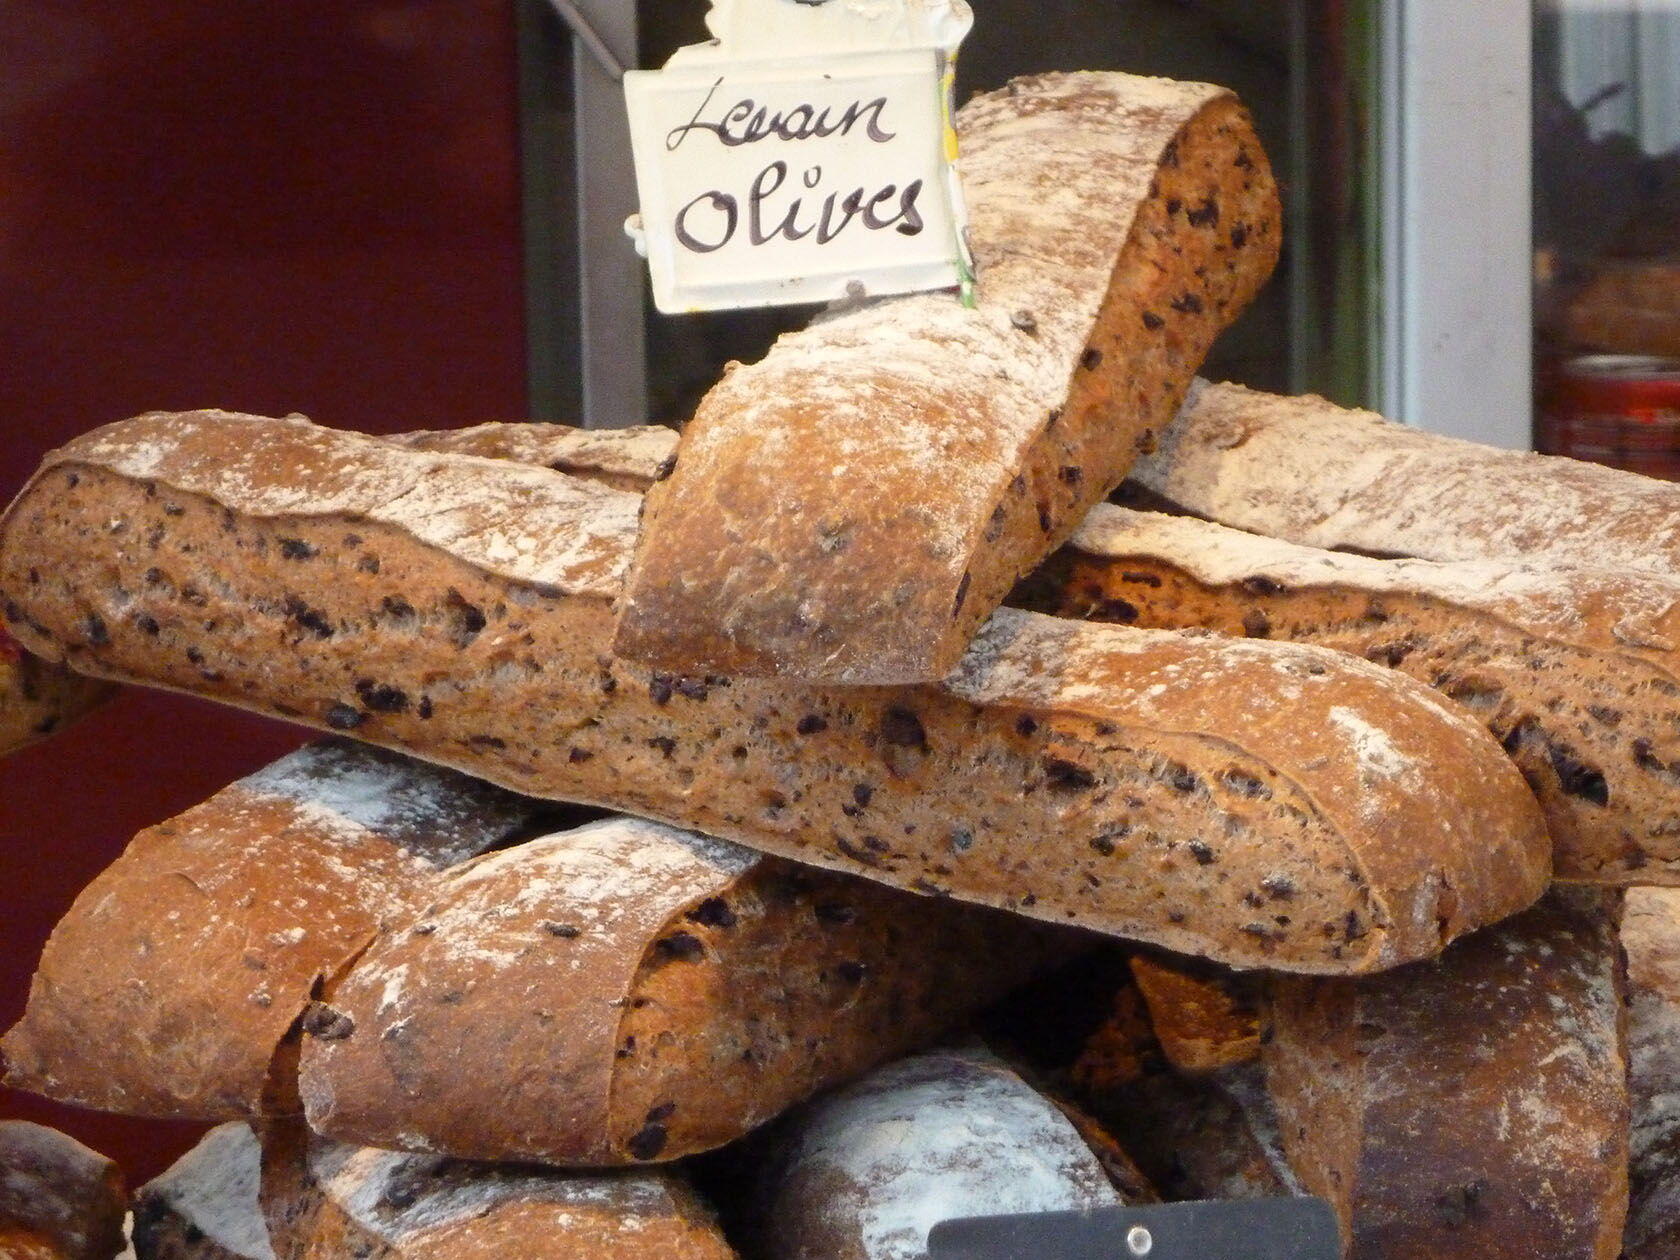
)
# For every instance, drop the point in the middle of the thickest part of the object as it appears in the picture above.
(310, 206)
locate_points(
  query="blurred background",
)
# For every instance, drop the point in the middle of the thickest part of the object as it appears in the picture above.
(394, 214)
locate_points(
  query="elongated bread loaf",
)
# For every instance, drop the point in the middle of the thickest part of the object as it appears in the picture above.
(1651, 936)
(1575, 671)
(1264, 804)
(1476, 1105)
(327, 1201)
(852, 508)
(1307, 471)
(867, 1172)
(58, 1199)
(176, 983)
(629, 992)
(206, 1206)
(38, 698)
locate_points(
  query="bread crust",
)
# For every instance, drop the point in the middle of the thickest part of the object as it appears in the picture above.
(325, 1201)
(1475, 1105)
(206, 1206)
(866, 1172)
(1206, 1019)
(1070, 772)
(58, 1199)
(175, 985)
(852, 508)
(1651, 937)
(1307, 471)
(1575, 671)
(38, 699)
(628, 992)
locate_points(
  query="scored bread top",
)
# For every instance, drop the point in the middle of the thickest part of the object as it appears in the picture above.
(572, 916)
(626, 459)
(1306, 470)
(478, 509)
(849, 509)
(1417, 810)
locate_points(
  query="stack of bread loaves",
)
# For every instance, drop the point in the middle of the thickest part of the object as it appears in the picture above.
(686, 802)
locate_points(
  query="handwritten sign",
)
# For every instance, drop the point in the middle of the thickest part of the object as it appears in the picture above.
(802, 156)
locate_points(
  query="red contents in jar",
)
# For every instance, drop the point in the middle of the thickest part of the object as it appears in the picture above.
(1614, 409)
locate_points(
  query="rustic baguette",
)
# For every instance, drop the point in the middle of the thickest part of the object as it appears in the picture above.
(628, 992)
(1651, 936)
(58, 1199)
(175, 985)
(1329, 816)
(852, 508)
(38, 698)
(1309, 472)
(1575, 671)
(1476, 1105)
(867, 1172)
(327, 1201)
(206, 1206)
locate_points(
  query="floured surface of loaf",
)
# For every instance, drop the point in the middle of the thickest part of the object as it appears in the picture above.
(866, 1173)
(628, 992)
(854, 506)
(1305, 470)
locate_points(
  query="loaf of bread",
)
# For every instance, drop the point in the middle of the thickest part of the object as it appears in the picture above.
(867, 1172)
(1651, 937)
(1204, 1017)
(327, 1201)
(1473, 1106)
(628, 992)
(852, 508)
(1575, 671)
(206, 1206)
(1263, 804)
(58, 1199)
(176, 983)
(37, 698)
(1309, 472)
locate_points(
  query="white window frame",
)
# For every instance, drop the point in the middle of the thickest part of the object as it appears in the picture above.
(1457, 295)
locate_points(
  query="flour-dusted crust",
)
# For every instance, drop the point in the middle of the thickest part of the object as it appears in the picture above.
(58, 1199)
(1575, 671)
(206, 1206)
(1309, 472)
(325, 1201)
(866, 1173)
(626, 459)
(1475, 1105)
(175, 984)
(1651, 937)
(853, 507)
(1262, 804)
(629, 992)
(38, 699)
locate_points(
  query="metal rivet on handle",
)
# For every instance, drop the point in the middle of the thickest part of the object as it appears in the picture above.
(1139, 1241)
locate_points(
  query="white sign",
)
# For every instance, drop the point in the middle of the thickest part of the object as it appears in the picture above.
(804, 155)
